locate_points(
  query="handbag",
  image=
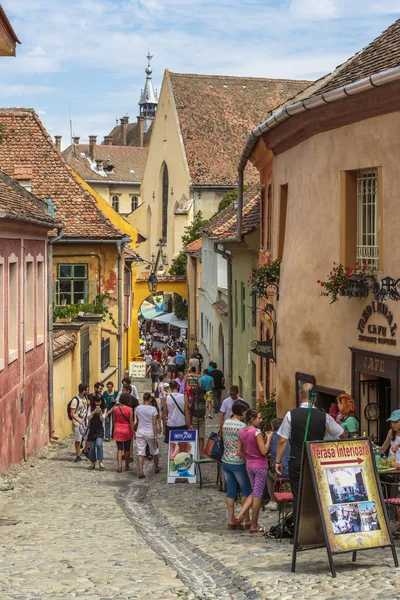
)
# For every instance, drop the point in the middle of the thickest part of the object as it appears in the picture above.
(214, 447)
(84, 426)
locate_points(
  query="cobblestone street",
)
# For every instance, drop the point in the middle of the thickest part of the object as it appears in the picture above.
(73, 533)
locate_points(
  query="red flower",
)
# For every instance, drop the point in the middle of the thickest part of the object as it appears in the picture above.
(333, 278)
(357, 263)
(365, 266)
(342, 286)
(318, 281)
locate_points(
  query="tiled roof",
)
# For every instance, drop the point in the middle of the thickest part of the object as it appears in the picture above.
(129, 254)
(381, 54)
(128, 162)
(63, 342)
(27, 152)
(132, 135)
(221, 308)
(223, 224)
(194, 246)
(216, 114)
(18, 204)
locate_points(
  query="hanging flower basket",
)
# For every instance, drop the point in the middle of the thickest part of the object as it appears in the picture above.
(346, 281)
(263, 276)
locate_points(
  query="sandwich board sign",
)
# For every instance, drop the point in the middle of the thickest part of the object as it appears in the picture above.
(137, 369)
(340, 503)
(182, 452)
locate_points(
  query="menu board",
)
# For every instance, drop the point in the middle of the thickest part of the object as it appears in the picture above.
(137, 369)
(340, 502)
(182, 451)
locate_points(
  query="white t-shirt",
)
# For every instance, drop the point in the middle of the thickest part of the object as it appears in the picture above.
(80, 406)
(175, 416)
(145, 412)
(171, 361)
(148, 358)
(226, 406)
(194, 362)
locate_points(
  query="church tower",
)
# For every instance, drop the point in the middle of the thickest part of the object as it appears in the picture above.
(148, 99)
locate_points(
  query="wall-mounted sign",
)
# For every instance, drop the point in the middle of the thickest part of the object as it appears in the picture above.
(263, 349)
(377, 333)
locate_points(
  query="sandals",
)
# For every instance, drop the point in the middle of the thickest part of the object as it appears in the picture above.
(119, 470)
(142, 475)
(92, 466)
(232, 525)
(260, 529)
(127, 468)
(157, 470)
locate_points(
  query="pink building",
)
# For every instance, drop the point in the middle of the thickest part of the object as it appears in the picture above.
(24, 224)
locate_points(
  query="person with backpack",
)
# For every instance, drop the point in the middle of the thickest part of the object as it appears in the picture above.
(146, 433)
(96, 418)
(109, 396)
(191, 382)
(77, 412)
(123, 429)
(175, 414)
(197, 414)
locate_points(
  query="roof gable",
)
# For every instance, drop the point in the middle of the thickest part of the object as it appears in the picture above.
(216, 114)
(223, 224)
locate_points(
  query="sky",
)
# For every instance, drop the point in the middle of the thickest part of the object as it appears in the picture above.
(85, 59)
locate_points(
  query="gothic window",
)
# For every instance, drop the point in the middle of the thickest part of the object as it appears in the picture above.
(115, 203)
(165, 183)
(134, 203)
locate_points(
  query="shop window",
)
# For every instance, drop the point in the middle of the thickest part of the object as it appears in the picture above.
(1, 313)
(283, 196)
(134, 203)
(243, 296)
(29, 307)
(40, 301)
(115, 203)
(13, 304)
(72, 283)
(236, 304)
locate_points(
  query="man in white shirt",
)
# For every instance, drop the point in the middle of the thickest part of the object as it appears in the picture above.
(226, 406)
(78, 412)
(175, 413)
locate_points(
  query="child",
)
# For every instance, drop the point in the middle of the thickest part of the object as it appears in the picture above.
(393, 439)
(96, 419)
(252, 445)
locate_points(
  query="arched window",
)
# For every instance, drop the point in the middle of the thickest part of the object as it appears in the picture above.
(165, 183)
(134, 203)
(115, 203)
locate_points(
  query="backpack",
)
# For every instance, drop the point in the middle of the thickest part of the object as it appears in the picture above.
(198, 404)
(69, 407)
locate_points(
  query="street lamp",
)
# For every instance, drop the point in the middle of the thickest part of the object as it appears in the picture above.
(152, 282)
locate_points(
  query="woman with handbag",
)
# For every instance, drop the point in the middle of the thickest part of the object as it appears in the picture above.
(96, 418)
(123, 429)
(234, 466)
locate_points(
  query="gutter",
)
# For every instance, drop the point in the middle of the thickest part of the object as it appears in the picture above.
(11, 216)
(283, 114)
(228, 257)
(113, 182)
(125, 240)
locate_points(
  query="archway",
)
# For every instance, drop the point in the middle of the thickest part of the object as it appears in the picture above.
(221, 349)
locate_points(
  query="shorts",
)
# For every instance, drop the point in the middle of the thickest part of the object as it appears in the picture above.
(258, 478)
(208, 396)
(125, 446)
(76, 432)
(236, 475)
(171, 368)
(155, 378)
(199, 423)
(141, 440)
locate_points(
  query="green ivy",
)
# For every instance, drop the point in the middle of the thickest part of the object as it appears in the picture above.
(267, 408)
(180, 307)
(97, 307)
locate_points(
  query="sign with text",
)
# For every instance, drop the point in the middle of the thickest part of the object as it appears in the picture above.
(382, 332)
(182, 451)
(137, 369)
(340, 505)
(263, 349)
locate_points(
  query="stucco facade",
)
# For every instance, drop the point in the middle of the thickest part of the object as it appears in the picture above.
(125, 194)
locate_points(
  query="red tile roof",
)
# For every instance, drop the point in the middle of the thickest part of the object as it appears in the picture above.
(129, 254)
(194, 246)
(63, 342)
(27, 145)
(223, 224)
(216, 114)
(18, 204)
(132, 135)
(128, 162)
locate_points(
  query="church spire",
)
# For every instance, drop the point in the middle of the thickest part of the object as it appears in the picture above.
(148, 99)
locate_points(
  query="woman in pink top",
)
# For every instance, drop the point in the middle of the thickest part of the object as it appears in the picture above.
(253, 447)
(123, 429)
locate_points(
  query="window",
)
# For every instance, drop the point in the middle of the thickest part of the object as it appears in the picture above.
(201, 325)
(1, 313)
(72, 283)
(105, 354)
(134, 203)
(26, 183)
(165, 184)
(40, 296)
(283, 195)
(29, 307)
(115, 203)
(269, 217)
(243, 287)
(13, 303)
(367, 252)
(236, 305)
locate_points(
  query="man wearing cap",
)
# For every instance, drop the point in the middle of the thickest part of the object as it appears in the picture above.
(293, 428)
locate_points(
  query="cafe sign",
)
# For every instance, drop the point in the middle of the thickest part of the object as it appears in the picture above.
(264, 349)
(373, 333)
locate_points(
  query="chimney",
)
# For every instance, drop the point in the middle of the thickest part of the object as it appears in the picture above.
(140, 130)
(76, 140)
(92, 145)
(108, 140)
(58, 142)
(124, 125)
(99, 164)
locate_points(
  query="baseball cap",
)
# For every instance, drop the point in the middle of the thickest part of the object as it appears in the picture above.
(395, 416)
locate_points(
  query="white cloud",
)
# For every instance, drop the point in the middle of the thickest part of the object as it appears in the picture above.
(326, 9)
(20, 89)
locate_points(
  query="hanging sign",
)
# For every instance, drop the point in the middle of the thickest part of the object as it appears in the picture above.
(137, 369)
(340, 503)
(182, 451)
(383, 333)
(263, 349)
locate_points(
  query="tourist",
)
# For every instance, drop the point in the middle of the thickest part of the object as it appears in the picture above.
(180, 380)
(218, 387)
(96, 417)
(293, 428)
(254, 448)
(147, 359)
(127, 388)
(154, 371)
(226, 407)
(98, 389)
(78, 412)
(191, 381)
(199, 356)
(162, 384)
(180, 360)
(211, 366)
(123, 429)
(272, 476)
(347, 411)
(194, 362)
(393, 439)
(207, 382)
(197, 414)
(146, 433)
(109, 396)
(175, 414)
(234, 466)
(171, 367)
(154, 403)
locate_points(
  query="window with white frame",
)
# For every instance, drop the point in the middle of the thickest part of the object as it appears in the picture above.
(29, 307)
(367, 218)
(1, 313)
(40, 300)
(13, 304)
(115, 203)
(134, 203)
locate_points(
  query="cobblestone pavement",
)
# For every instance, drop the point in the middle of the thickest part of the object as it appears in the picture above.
(75, 533)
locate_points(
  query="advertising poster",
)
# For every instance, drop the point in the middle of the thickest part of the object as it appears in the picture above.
(182, 451)
(349, 495)
(137, 369)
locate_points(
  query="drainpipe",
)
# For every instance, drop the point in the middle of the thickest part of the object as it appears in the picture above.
(120, 298)
(50, 327)
(228, 257)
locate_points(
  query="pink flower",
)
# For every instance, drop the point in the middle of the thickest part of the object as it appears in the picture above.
(365, 266)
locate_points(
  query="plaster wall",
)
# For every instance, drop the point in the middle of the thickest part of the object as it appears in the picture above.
(124, 193)
(67, 370)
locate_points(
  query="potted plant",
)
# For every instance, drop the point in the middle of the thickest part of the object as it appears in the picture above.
(264, 276)
(346, 281)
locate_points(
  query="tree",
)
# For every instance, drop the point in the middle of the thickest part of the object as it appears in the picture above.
(192, 233)
(178, 266)
(180, 307)
(229, 198)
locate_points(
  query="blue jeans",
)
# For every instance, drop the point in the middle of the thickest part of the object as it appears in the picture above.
(96, 448)
(108, 428)
(236, 475)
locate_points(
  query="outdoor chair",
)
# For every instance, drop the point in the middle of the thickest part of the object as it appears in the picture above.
(392, 499)
(284, 497)
(203, 461)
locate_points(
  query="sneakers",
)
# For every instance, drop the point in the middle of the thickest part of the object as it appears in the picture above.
(78, 459)
(272, 506)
